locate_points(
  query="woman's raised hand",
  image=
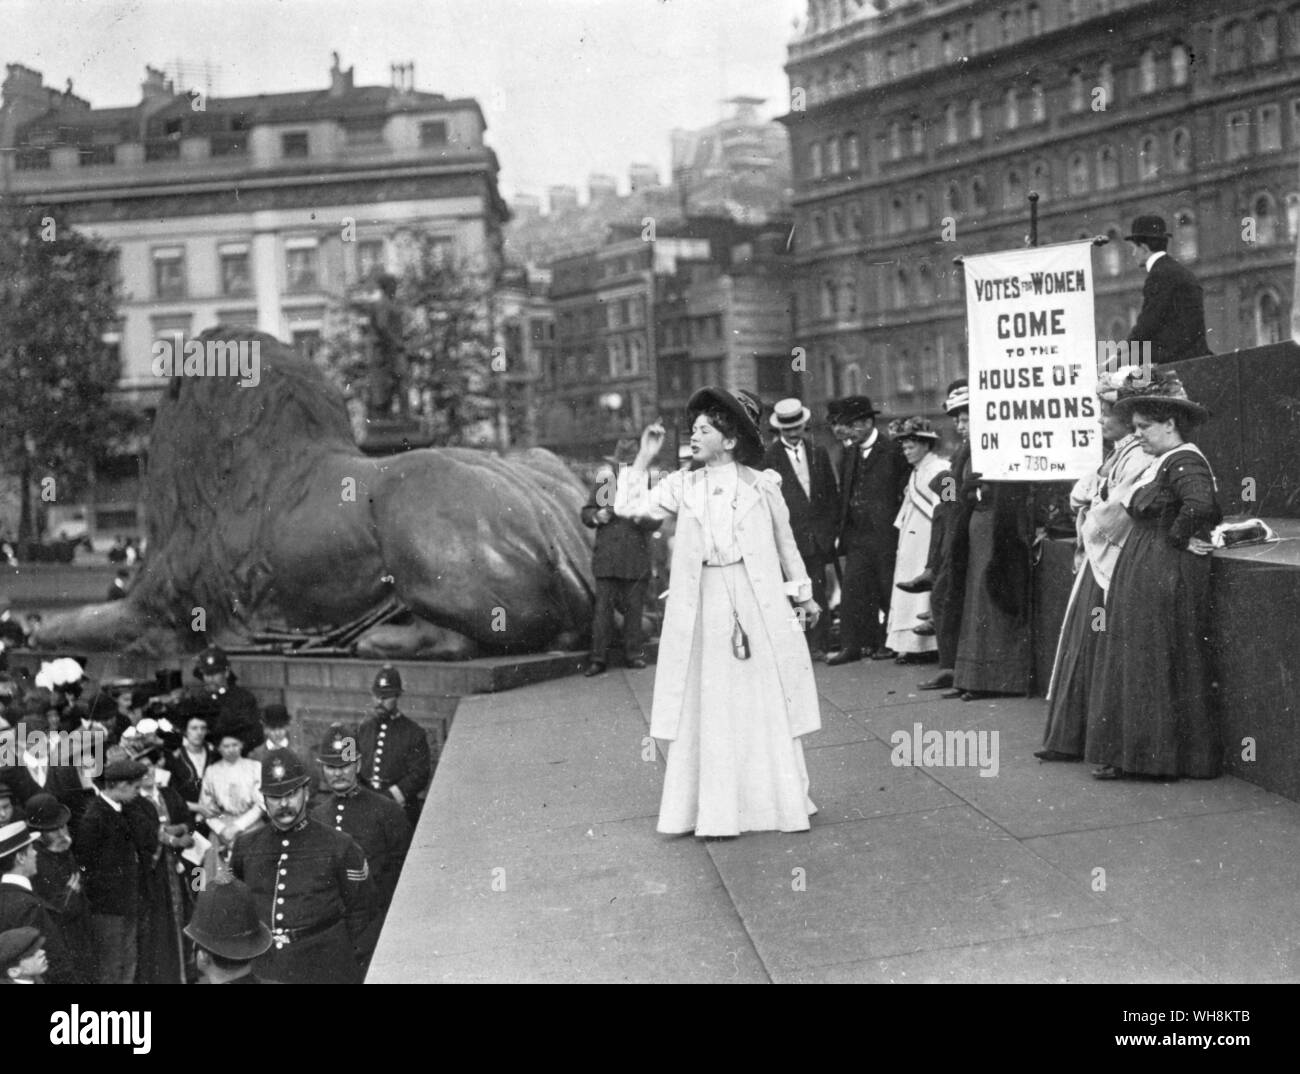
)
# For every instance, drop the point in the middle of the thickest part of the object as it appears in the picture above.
(652, 439)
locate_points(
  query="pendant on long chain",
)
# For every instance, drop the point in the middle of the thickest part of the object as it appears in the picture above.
(739, 640)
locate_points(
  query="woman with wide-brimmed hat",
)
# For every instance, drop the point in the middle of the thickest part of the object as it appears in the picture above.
(734, 687)
(1152, 708)
(917, 438)
(1103, 526)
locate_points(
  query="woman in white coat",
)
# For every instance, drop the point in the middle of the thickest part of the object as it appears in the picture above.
(734, 688)
(918, 439)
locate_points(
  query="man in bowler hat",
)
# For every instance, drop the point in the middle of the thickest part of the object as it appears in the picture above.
(227, 933)
(873, 479)
(620, 564)
(1172, 317)
(812, 497)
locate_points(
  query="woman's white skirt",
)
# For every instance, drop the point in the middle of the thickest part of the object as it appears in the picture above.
(734, 766)
(904, 608)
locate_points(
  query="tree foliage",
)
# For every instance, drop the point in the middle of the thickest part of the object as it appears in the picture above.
(58, 296)
(447, 325)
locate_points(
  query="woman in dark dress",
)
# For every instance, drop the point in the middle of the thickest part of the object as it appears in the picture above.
(1152, 710)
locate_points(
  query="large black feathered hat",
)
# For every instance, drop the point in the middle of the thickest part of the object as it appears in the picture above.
(742, 405)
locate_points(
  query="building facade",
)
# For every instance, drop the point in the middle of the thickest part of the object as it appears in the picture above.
(254, 211)
(919, 130)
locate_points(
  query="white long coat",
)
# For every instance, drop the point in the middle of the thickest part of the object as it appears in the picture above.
(775, 571)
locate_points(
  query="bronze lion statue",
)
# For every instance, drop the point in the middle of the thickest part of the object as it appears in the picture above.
(263, 515)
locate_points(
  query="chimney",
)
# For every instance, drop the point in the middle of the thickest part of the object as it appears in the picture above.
(155, 91)
(340, 80)
(402, 76)
(23, 97)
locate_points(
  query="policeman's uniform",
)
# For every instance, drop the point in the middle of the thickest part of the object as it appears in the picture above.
(312, 888)
(394, 750)
(240, 715)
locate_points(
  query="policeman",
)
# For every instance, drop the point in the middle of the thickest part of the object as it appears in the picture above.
(374, 820)
(239, 712)
(311, 884)
(227, 933)
(394, 752)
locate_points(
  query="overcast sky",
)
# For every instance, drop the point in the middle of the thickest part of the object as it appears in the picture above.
(568, 87)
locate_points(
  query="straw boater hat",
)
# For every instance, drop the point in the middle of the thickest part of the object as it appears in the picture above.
(1165, 389)
(14, 836)
(789, 414)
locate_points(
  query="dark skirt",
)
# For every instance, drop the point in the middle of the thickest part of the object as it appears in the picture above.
(993, 654)
(1076, 654)
(1152, 709)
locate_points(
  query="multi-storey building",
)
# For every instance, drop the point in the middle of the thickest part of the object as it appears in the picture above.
(644, 320)
(526, 333)
(256, 211)
(918, 131)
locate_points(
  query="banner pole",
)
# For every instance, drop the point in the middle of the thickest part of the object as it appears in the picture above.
(1033, 505)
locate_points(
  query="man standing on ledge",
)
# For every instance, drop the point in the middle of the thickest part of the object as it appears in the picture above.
(1172, 318)
(394, 751)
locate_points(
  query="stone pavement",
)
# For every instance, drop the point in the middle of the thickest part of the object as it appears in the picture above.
(536, 858)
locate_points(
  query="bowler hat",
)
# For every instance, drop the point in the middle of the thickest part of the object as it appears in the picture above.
(1148, 227)
(789, 414)
(388, 682)
(18, 944)
(282, 773)
(45, 813)
(14, 836)
(856, 408)
(275, 716)
(1165, 389)
(225, 921)
(742, 405)
(339, 747)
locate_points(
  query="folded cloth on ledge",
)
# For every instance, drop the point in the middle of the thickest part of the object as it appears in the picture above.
(1234, 534)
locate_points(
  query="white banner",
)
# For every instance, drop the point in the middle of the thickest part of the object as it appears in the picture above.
(1033, 366)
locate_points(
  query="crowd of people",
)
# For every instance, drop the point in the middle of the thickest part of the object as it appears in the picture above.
(178, 838)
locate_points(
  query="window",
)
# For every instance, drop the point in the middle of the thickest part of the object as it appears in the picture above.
(1180, 150)
(1077, 176)
(1013, 190)
(1295, 121)
(849, 299)
(635, 354)
(1178, 64)
(1238, 135)
(833, 156)
(1233, 46)
(851, 153)
(364, 132)
(1269, 322)
(169, 272)
(948, 47)
(293, 144)
(1148, 158)
(1112, 254)
(950, 135)
(836, 226)
(1266, 38)
(1185, 244)
(370, 258)
(972, 39)
(895, 141)
(979, 195)
(614, 357)
(1147, 71)
(1265, 213)
(918, 136)
(913, 57)
(976, 119)
(1040, 179)
(897, 215)
(924, 285)
(828, 298)
(953, 200)
(1106, 80)
(300, 265)
(920, 210)
(891, 64)
(235, 279)
(1013, 109)
(902, 284)
(1078, 92)
(1107, 169)
(1035, 20)
(1007, 30)
(1293, 29)
(819, 229)
(816, 160)
(433, 133)
(1071, 12)
(855, 222)
(1037, 104)
(1293, 215)
(1270, 128)
(852, 379)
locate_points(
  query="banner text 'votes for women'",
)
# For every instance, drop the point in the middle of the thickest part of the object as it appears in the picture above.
(1033, 372)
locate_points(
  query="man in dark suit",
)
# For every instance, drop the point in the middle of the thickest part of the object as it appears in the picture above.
(873, 478)
(620, 563)
(21, 907)
(812, 497)
(1172, 318)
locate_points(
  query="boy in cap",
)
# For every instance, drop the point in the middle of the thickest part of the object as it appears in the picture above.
(58, 883)
(22, 956)
(111, 865)
(227, 932)
(19, 904)
(393, 747)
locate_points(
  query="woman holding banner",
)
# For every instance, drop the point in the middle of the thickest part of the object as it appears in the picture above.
(1152, 707)
(1103, 526)
(918, 440)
